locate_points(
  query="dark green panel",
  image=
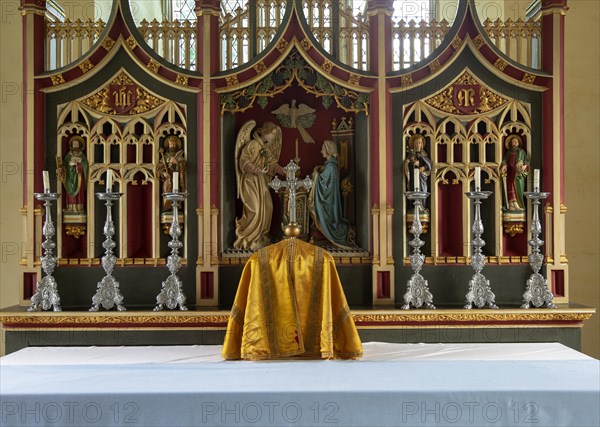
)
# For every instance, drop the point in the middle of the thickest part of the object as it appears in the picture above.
(489, 334)
(118, 337)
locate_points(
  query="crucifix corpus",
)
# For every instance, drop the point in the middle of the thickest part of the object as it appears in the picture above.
(292, 184)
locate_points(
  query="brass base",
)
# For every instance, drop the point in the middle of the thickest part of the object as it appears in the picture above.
(291, 230)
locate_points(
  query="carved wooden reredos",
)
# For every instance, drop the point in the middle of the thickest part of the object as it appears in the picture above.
(147, 96)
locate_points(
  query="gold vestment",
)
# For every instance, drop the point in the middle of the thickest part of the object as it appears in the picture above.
(290, 302)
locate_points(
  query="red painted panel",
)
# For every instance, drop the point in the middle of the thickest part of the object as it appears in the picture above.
(139, 219)
(557, 283)
(516, 245)
(29, 282)
(450, 214)
(383, 284)
(207, 287)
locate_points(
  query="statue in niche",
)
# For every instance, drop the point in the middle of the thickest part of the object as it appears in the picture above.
(299, 116)
(325, 201)
(514, 170)
(417, 158)
(172, 159)
(256, 161)
(72, 170)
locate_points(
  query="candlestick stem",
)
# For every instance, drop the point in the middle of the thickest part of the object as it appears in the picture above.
(108, 294)
(46, 291)
(171, 294)
(536, 293)
(417, 292)
(480, 292)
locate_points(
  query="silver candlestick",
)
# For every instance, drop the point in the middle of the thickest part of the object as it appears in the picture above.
(536, 293)
(480, 291)
(107, 293)
(46, 291)
(171, 294)
(417, 292)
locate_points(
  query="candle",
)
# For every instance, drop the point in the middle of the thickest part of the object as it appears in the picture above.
(416, 179)
(296, 149)
(109, 180)
(46, 180)
(536, 180)
(175, 182)
(477, 178)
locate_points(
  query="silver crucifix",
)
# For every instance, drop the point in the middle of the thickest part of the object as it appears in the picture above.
(292, 184)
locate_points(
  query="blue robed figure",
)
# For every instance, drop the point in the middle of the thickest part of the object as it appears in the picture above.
(326, 203)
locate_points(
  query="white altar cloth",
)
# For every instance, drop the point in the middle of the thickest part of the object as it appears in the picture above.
(543, 384)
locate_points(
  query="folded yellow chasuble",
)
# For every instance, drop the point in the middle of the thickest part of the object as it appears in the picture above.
(290, 302)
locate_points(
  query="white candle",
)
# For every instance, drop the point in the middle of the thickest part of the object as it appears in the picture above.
(46, 180)
(175, 182)
(536, 180)
(477, 178)
(109, 180)
(416, 180)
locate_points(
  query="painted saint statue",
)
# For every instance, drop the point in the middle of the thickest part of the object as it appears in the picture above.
(256, 162)
(172, 159)
(417, 158)
(514, 170)
(72, 171)
(325, 201)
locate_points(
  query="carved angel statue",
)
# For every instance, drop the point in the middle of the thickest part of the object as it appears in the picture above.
(300, 117)
(256, 161)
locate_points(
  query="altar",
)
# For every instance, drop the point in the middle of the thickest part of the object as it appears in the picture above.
(393, 384)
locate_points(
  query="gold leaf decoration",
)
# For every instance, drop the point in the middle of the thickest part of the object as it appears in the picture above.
(488, 100)
(479, 41)
(232, 80)
(528, 78)
(141, 102)
(181, 80)
(354, 79)
(456, 42)
(108, 43)
(86, 66)
(153, 66)
(306, 44)
(327, 66)
(259, 67)
(131, 42)
(500, 64)
(282, 45)
(406, 80)
(434, 65)
(57, 79)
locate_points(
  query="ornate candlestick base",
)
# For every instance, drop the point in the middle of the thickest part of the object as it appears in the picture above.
(107, 294)
(417, 293)
(171, 294)
(480, 293)
(46, 290)
(536, 293)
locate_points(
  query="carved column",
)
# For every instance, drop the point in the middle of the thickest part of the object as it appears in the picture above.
(380, 48)
(553, 180)
(207, 63)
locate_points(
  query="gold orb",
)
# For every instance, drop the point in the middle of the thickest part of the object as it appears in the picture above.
(291, 230)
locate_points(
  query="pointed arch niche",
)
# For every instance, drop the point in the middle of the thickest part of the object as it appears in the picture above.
(465, 125)
(341, 115)
(128, 141)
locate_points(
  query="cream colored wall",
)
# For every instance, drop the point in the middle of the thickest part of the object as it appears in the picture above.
(582, 135)
(11, 137)
(582, 132)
